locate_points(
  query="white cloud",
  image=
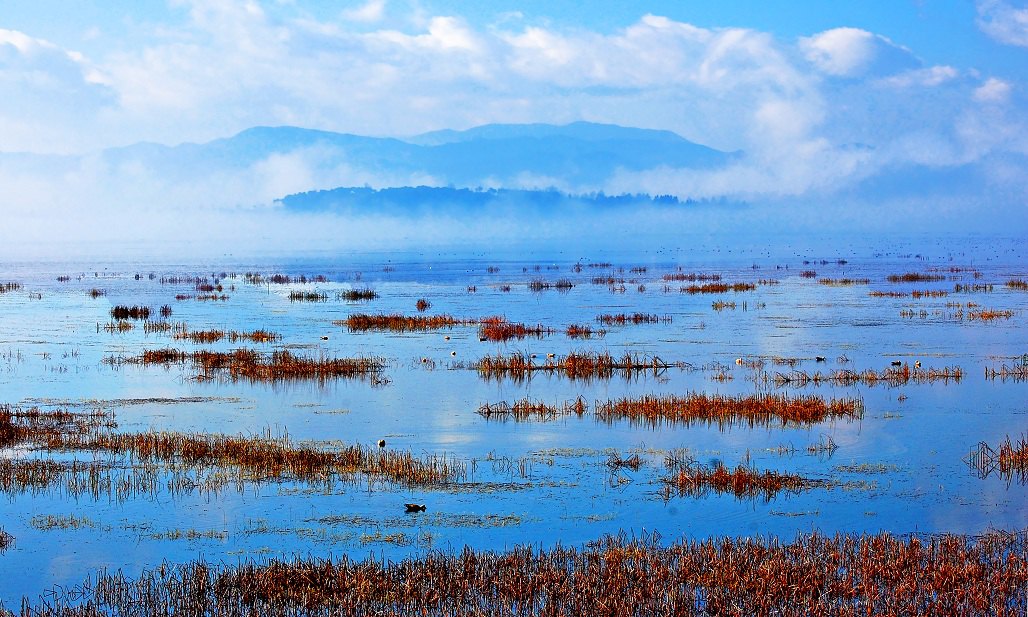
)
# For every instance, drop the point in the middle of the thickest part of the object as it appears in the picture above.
(851, 52)
(992, 91)
(370, 12)
(1003, 22)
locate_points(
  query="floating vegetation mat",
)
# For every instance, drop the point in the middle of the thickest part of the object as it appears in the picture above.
(355, 295)
(256, 366)
(890, 376)
(362, 322)
(1009, 461)
(915, 277)
(584, 365)
(868, 575)
(754, 410)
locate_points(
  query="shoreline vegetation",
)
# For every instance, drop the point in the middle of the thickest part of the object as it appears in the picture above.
(815, 574)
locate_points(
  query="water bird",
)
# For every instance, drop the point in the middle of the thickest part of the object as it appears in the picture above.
(446, 338)
(738, 361)
(917, 364)
(415, 507)
(549, 355)
(897, 363)
(453, 353)
(381, 443)
(324, 338)
(819, 358)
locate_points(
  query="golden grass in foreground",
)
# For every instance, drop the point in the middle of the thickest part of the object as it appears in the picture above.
(842, 575)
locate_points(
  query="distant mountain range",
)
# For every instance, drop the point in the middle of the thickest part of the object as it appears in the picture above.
(578, 154)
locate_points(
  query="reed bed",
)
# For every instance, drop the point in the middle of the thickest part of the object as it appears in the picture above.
(890, 376)
(559, 285)
(116, 326)
(973, 288)
(691, 277)
(282, 365)
(307, 296)
(808, 274)
(265, 458)
(845, 575)
(6, 540)
(1016, 372)
(843, 282)
(96, 293)
(1019, 284)
(422, 305)
(255, 336)
(696, 480)
(499, 329)
(355, 295)
(609, 281)
(362, 322)
(929, 293)
(576, 331)
(201, 336)
(584, 365)
(130, 312)
(915, 277)
(255, 366)
(754, 410)
(621, 319)
(721, 305)
(989, 314)
(717, 288)
(9, 287)
(527, 409)
(1009, 461)
(888, 294)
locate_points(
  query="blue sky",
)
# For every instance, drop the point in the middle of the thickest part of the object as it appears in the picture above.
(818, 96)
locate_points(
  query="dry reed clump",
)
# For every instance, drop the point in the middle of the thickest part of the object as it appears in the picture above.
(621, 319)
(1019, 284)
(256, 336)
(721, 305)
(1008, 461)
(355, 295)
(96, 293)
(307, 296)
(1015, 372)
(843, 282)
(9, 287)
(422, 305)
(929, 293)
(915, 277)
(890, 376)
(130, 312)
(754, 410)
(559, 285)
(255, 366)
(264, 458)
(527, 409)
(361, 322)
(584, 365)
(201, 336)
(717, 288)
(808, 274)
(255, 278)
(499, 329)
(973, 288)
(697, 480)
(887, 294)
(576, 331)
(691, 277)
(989, 314)
(6, 540)
(282, 365)
(845, 575)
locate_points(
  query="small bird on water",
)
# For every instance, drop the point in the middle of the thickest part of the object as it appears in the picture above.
(415, 507)
(381, 443)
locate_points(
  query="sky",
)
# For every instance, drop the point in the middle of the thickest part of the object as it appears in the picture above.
(817, 95)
